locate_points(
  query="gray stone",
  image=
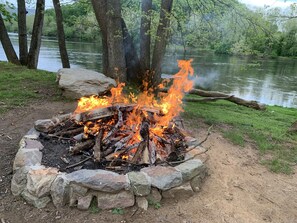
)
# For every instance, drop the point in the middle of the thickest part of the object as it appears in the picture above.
(84, 203)
(35, 201)
(122, 199)
(78, 82)
(100, 180)
(162, 177)
(190, 168)
(140, 183)
(191, 142)
(19, 180)
(155, 196)
(26, 143)
(27, 157)
(142, 203)
(44, 125)
(182, 192)
(197, 181)
(39, 181)
(60, 190)
(75, 192)
(32, 134)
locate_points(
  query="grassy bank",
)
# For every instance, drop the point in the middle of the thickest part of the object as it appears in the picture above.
(20, 86)
(266, 130)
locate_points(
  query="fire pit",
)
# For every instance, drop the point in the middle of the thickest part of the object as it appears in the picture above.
(114, 151)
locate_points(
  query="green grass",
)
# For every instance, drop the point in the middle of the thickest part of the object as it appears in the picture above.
(266, 129)
(19, 86)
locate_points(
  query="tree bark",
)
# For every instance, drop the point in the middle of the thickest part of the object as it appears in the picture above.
(36, 35)
(116, 54)
(6, 43)
(100, 9)
(145, 37)
(22, 30)
(131, 58)
(61, 34)
(161, 40)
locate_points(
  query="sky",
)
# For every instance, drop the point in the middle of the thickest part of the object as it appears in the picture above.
(257, 3)
(271, 3)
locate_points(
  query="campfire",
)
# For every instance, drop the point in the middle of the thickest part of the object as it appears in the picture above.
(120, 130)
(119, 150)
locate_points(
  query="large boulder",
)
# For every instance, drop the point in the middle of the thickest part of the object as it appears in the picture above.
(78, 82)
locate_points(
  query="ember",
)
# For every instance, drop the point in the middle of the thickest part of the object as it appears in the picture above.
(128, 130)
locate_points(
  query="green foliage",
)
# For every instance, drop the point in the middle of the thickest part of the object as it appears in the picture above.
(266, 129)
(5, 10)
(154, 204)
(119, 211)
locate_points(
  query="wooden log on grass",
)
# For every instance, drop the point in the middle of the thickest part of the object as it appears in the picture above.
(213, 96)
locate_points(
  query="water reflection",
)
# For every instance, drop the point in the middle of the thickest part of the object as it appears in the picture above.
(272, 82)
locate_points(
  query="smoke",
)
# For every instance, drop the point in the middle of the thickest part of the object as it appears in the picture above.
(206, 80)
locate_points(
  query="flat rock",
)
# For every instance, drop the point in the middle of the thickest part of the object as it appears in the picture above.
(162, 177)
(190, 168)
(181, 192)
(39, 181)
(100, 180)
(26, 143)
(78, 82)
(60, 190)
(27, 157)
(140, 183)
(122, 199)
(44, 125)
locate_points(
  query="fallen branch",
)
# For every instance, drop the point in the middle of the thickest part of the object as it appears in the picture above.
(213, 95)
(82, 146)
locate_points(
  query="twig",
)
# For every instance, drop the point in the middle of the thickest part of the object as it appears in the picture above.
(208, 134)
(80, 162)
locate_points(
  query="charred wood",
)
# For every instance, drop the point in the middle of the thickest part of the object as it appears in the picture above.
(82, 146)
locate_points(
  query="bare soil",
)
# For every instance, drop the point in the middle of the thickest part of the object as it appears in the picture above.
(238, 189)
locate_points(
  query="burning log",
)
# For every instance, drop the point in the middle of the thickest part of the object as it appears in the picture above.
(97, 146)
(46, 125)
(95, 114)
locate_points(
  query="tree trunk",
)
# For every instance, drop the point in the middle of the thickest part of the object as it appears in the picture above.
(61, 35)
(100, 9)
(161, 40)
(36, 35)
(131, 58)
(145, 37)
(22, 29)
(116, 54)
(6, 43)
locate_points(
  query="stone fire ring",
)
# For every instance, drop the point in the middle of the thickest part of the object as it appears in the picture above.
(39, 185)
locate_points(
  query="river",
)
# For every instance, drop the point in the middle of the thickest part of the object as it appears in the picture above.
(269, 81)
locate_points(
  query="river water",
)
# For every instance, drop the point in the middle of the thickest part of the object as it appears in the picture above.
(269, 81)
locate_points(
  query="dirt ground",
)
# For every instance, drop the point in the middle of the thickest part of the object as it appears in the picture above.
(238, 189)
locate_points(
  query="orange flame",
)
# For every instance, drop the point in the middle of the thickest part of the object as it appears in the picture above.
(169, 105)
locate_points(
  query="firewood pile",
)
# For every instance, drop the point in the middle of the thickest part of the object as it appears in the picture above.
(105, 135)
(127, 129)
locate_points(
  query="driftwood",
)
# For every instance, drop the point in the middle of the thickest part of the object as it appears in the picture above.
(213, 96)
